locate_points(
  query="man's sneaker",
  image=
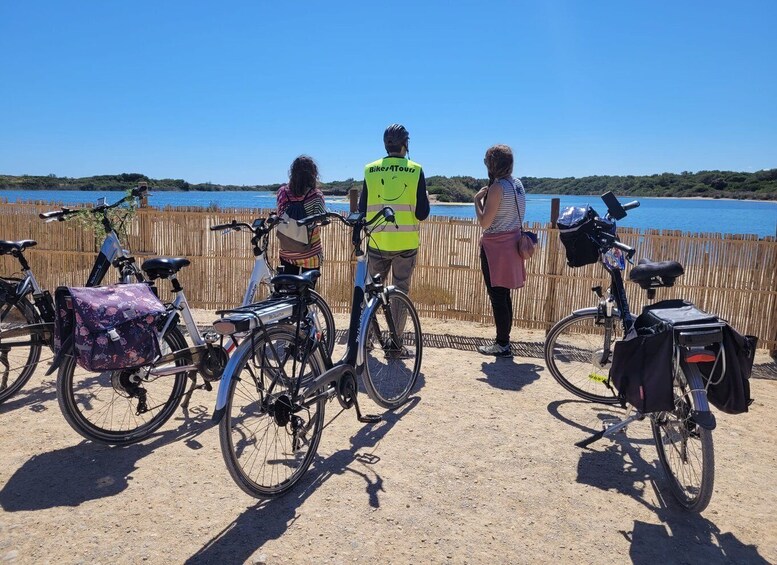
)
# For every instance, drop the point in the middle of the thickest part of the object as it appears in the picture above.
(403, 353)
(496, 350)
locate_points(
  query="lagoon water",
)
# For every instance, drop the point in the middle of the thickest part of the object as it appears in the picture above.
(690, 215)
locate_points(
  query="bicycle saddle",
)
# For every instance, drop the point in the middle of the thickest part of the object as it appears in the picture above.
(305, 280)
(647, 272)
(163, 267)
(21, 245)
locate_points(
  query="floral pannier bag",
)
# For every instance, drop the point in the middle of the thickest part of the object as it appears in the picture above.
(112, 327)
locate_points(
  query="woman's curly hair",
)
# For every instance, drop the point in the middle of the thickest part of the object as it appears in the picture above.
(303, 175)
(499, 162)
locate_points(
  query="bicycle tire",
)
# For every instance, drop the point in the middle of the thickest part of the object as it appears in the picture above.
(391, 370)
(571, 349)
(260, 427)
(685, 449)
(91, 401)
(20, 354)
(326, 319)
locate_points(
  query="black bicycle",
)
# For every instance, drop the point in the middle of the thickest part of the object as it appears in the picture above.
(580, 350)
(273, 393)
(27, 310)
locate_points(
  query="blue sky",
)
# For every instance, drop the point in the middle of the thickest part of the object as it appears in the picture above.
(231, 92)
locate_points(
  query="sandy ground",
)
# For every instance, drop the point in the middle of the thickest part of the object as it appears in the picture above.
(479, 467)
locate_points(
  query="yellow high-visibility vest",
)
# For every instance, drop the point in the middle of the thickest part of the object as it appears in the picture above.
(393, 181)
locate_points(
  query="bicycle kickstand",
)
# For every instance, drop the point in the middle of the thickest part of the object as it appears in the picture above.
(610, 430)
(365, 418)
(188, 394)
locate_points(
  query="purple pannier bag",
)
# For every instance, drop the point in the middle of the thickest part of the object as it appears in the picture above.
(114, 326)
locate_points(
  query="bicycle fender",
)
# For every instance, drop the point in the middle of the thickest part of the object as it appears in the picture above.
(226, 379)
(362, 337)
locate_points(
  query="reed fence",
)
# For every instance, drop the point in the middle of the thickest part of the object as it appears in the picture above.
(733, 276)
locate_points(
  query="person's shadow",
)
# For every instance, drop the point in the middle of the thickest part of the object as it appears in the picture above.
(682, 536)
(503, 373)
(88, 471)
(269, 519)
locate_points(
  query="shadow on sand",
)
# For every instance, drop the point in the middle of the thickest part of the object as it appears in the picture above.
(630, 467)
(269, 519)
(88, 471)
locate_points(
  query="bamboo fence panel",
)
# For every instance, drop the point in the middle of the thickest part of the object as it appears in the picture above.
(733, 276)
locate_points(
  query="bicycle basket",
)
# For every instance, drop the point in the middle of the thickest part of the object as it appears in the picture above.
(113, 327)
(577, 226)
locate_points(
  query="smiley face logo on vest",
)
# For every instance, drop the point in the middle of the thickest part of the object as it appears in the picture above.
(395, 198)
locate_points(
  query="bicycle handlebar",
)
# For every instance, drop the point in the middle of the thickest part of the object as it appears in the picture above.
(352, 220)
(631, 205)
(61, 215)
(261, 226)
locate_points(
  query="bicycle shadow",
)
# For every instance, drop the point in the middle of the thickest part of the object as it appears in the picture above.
(598, 414)
(687, 538)
(35, 398)
(87, 471)
(270, 519)
(682, 536)
(505, 374)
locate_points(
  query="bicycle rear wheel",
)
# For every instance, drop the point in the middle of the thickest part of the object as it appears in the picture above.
(120, 407)
(392, 350)
(685, 449)
(325, 320)
(573, 355)
(269, 437)
(20, 347)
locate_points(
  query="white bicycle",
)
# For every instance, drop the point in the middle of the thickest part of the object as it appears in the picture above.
(262, 273)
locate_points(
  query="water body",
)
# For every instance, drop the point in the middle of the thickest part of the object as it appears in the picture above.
(690, 215)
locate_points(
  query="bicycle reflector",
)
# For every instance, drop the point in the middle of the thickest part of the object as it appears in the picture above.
(699, 356)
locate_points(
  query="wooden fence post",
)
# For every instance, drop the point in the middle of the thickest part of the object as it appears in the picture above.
(555, 203)
(353, 196)
(553, 269)
(144, 198)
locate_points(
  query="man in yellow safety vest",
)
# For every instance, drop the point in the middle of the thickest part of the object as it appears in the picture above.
(398, 182)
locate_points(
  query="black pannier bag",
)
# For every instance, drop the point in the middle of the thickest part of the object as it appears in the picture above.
(576, 226)
(642, 364)
(730, 392)
(642, 369)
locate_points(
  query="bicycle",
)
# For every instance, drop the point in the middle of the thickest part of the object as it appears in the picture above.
(272, 396)
(579, 354)
(27, 326)
(125, 406)
(262, 273)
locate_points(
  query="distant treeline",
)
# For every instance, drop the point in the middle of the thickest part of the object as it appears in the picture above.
(761, 185)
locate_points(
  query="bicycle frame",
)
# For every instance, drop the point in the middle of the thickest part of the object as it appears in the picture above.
(111, 252)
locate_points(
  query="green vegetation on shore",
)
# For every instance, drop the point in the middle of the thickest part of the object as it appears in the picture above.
(761, 185)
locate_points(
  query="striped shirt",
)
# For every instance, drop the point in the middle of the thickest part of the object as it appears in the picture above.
(313, 201)
(508, 217)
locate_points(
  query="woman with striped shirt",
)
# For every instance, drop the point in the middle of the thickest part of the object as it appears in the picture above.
(500, 208)
(301, 191)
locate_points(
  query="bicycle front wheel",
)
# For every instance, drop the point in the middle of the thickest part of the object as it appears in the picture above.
(123, 406)
(268, 435)
(574, 351)
(685, 448)
(20, 347)
(392, 350)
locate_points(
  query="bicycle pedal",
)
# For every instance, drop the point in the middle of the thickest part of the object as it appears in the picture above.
(370, 418)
